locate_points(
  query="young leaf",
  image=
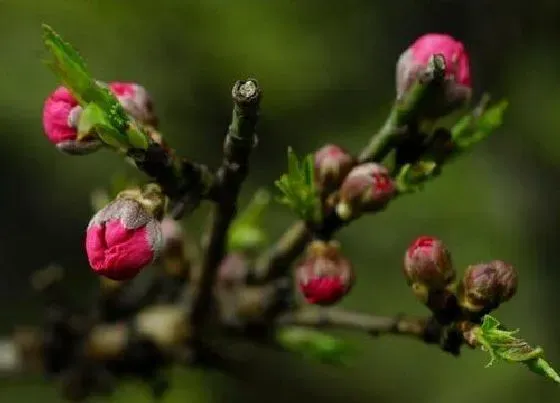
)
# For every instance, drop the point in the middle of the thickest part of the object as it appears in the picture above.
(503, 344)
(479, 124)
(412, 177)
(313, 344)
(72, 71)
(246, 232)
(298, 188)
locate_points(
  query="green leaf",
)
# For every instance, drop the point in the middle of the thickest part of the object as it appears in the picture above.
(478, 124)
(72, 71)
(313, 344)
(246, 232)
(412, 177)
(298, 189)
(505, 345)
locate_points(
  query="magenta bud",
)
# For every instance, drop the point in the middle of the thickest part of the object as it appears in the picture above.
(487, 285)
(457, 84)
(61, 114)
(367, 188)
(136, 101)
(324, 276)
(122, 238)
(427, 262)
(332, 164)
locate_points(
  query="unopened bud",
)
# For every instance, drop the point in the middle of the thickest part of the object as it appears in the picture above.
(135, 100)
(367, 188)
(456, 89)
(124, 236)
(324, 276)
(427, 262)
(332, 164)
(487, 285)
(61, 114)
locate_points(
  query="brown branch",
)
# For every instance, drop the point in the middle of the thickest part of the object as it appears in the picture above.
(343, 319)
(184, 182)
(427, 329)
(238, 144)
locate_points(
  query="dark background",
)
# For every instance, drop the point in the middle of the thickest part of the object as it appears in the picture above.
(327, 68)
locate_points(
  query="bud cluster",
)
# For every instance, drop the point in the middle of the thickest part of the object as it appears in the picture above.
(62, 112)
(429, 271)
(324, 276)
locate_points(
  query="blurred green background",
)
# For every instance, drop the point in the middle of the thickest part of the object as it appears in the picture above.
(327, 70)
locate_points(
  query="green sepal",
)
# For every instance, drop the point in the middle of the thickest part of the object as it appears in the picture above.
(412, 177)
(91, 117)
(313, 344)
(298, 188)
(94, 119)
(504, 345)
(246, 232)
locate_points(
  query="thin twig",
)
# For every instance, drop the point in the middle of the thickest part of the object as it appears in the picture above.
(342, 319)
(238, 144)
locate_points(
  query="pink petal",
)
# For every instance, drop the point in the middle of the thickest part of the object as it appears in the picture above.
(452, 50)
(55, 116)
(123, 89)
(116, 252)
(324, 290)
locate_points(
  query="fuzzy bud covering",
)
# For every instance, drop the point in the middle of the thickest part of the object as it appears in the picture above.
(122, 238)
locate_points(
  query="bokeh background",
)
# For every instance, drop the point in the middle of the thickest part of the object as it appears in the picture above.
(327, 68)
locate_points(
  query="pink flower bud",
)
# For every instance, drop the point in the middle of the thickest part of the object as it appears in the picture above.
(61, 113)
(122, 238)
(324, 276)
(456, 90)
(418, 55)
(135, 100)
(332, 164)
(367, 188)
(427, 262)
(233, 270)
(487, 285)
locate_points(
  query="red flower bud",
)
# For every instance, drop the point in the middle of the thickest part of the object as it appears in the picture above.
(367, 188)
(136, 101)
(122, 238)
(427, 262)
(487, 285)
(457, 70)
(61, 114)
(332, 164)
(324, 276)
